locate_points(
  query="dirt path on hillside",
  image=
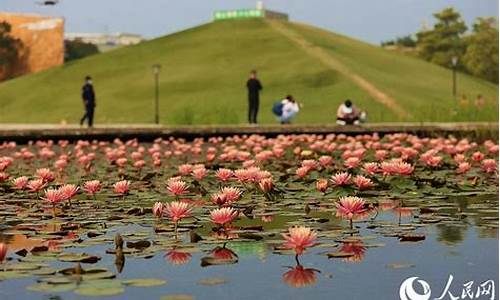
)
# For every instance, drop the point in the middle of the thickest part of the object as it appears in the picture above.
(336, 65)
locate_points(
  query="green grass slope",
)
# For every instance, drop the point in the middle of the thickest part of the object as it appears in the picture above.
(203, 77)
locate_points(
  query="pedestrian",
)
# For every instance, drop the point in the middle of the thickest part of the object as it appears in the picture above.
(88, 97)
(254, 87)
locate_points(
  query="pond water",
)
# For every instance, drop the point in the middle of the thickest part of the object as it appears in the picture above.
(429, 224)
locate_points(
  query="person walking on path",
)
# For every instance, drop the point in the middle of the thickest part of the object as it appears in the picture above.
(88, 97)
(254, 87)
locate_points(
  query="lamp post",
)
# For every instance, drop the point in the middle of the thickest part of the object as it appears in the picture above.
(454, 61)
(156, 72)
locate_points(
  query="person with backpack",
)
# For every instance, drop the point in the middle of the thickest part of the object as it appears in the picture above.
(286, 109)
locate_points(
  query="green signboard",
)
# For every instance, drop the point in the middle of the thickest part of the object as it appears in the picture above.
(238, 14)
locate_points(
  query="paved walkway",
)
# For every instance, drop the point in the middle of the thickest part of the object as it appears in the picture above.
(331, 62)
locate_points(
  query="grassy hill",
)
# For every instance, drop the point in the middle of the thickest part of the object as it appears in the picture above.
(204, 71)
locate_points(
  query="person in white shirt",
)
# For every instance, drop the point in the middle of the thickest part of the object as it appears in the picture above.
(348, 114)
(289, 110)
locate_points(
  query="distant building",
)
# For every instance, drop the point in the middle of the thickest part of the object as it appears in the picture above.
(106, 41)
(43, 42)
(259, 12)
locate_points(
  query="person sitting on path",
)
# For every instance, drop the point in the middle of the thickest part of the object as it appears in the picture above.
(289, 110)
(349, 114)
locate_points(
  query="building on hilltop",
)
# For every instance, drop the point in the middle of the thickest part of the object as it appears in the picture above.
(259, 12)
(42, 40)
(106, 41)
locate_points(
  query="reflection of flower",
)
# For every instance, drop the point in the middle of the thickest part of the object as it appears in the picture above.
(357, 248)
(176, 257)
(299, 238)
(222, 253)
(300, 277)
(387, 204)
(3, 251)
(403, 211)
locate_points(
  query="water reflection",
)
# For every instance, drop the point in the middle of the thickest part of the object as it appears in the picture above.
(219, 256)
(450, 234)
(357, 249)
(299, 276)
(177, 257)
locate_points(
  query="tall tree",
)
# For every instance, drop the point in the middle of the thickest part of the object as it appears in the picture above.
(481, 55)
(9, 47)
(444, 40)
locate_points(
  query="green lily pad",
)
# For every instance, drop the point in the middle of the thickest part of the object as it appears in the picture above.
(144, 282)
(51, 288)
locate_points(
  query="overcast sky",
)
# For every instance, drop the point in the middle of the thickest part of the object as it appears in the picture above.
(369, 20)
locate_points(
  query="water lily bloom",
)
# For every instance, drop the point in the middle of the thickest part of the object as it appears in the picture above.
(3, 251)
(20, 183)
(477, 156)
(370, 168)
(489, 165)
(341, 179)
(68, 191)
(231, 194)
(158, 208)
(177, 187)
(36, 185)
(122, 187)
(352, 162)
(139, 164)
(53, 196)
(302, 172)
(459, 158)
(381, 154)
(299, 238)
(322, 185)
(311, 164)
(176, 257)
(463, 167)
(177, 210)
(433, 161)
(60, 164)
(224, 174)
(325, 160)
(199, 173)
(45, 174)
(350, 208)
(403, 168)
(185, 169)
(223, 215)
(362, 182)
(299, 277)
(92, 187)
(266, 185)
(121, 162)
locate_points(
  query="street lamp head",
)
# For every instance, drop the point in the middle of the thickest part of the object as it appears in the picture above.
(156, 68)
(454, 60)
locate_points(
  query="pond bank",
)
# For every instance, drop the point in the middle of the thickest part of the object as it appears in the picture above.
(147, 132)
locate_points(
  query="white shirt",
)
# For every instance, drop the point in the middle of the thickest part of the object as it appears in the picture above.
(289, 108)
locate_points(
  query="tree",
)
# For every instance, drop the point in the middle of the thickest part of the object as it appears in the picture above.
(444, 41)
(9, 50)
(79, 49)
(481, 55)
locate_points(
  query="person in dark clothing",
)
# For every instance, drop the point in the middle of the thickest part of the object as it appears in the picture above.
(88, 97)
(254, 87)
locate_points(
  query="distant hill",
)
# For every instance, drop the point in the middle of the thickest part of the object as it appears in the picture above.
(204, 70)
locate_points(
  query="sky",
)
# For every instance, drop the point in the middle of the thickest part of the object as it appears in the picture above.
(369, 20)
